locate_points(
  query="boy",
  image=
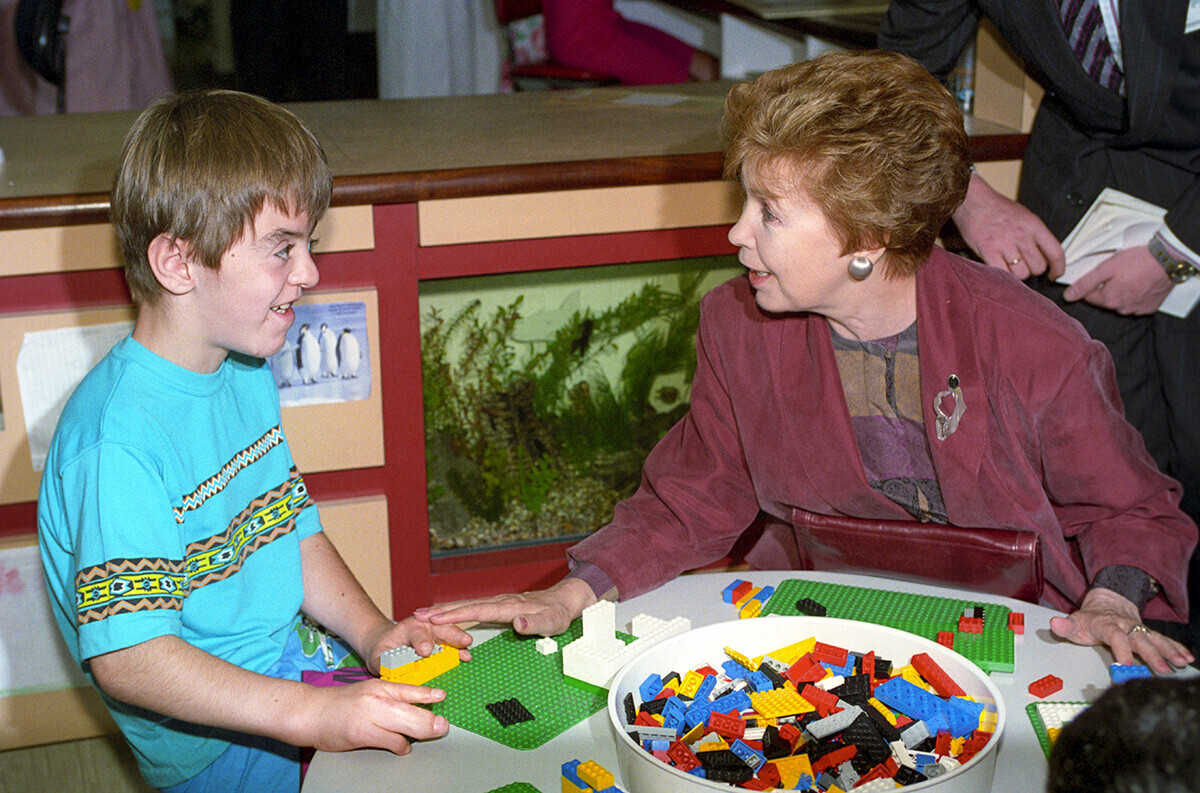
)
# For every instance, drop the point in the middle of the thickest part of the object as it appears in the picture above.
(179, 541)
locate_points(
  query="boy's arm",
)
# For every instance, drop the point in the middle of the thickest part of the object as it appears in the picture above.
(334, 598)
(169, 676)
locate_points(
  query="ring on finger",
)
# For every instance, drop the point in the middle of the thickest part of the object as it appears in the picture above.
(1014, 262)
(1139, 628)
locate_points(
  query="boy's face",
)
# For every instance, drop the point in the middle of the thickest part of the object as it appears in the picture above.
(246, 305)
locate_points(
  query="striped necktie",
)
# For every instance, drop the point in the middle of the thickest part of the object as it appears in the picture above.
(1084, 27)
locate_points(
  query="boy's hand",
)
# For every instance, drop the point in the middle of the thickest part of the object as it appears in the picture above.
(372, 714)
(547, 612)
(421, 636)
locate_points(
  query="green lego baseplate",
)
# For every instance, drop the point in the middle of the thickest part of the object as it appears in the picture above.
(1051, 715)
(516, 787)
(925, 615)
(509, 665)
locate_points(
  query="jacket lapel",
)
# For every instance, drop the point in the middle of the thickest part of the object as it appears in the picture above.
(947, 347)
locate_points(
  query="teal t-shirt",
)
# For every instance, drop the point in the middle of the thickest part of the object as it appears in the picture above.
(170, 505)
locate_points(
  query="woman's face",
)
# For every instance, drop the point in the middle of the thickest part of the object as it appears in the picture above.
(794, 258)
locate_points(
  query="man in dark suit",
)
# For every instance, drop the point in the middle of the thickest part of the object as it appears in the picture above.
(1121, 110)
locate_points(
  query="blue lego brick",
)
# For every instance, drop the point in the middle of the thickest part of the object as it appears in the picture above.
(706, 688)
(674, 712)
(568, 772)
(735, 670)
(963, 715)
(650, 687)
(1121, 673)
(760, 682)
(846, 670)
(752, 758)
(727, 592)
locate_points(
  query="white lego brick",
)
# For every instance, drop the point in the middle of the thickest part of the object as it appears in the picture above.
(546, 645)
(397, 657)
(600, 620)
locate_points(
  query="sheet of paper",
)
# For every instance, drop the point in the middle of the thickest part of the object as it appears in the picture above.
(1116, 221)
(33, 658)
(50, 364)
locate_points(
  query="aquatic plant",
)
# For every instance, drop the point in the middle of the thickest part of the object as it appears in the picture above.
(509, 425)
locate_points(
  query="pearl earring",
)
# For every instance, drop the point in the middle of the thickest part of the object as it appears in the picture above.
(860, 267)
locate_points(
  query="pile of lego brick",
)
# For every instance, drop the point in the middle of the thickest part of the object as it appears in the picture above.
(810, 716)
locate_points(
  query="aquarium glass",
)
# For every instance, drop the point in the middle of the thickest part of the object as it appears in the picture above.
(545, 391)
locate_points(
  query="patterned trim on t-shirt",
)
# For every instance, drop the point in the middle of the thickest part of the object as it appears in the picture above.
(122, 586)
(216, 483)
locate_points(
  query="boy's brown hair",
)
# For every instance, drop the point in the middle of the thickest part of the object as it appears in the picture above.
(200, 166)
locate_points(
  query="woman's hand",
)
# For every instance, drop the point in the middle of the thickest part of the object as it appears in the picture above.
(1107, 619)
(547, 612)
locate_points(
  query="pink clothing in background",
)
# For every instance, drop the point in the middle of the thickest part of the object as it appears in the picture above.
(114, 60)
(589, 34)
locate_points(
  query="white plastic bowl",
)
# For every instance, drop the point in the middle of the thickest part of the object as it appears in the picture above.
(643, 773)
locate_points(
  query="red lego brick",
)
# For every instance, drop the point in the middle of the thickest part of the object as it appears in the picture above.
(830, 654)
(1016, 622)
(754, 783)
(727, 725)
(790, 733)
(970, 625)
(835, 758)
(946, 639)
(941, 744)
(935, 676)
(768, 774)
(683, 757)
(805, 670)
(1046, 686)
(741, 590)
(819, 698)
(868, 665)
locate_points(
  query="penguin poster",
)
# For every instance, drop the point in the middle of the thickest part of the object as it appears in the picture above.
(325, 357)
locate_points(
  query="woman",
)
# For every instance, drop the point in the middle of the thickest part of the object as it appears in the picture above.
(859, 370)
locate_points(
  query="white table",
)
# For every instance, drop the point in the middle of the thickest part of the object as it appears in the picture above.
(464, 761)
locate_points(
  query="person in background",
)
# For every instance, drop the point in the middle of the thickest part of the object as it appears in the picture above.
(857, 369)
(113, 60)
(591, 35)
(1138, 737)
(1121, 110)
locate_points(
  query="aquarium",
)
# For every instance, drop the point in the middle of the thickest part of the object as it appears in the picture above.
(545, 391)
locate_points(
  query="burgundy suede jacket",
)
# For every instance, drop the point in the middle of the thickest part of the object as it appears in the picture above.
(1042, 444)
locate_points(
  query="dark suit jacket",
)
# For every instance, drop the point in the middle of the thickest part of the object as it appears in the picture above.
(769, 430)
(1085, 138)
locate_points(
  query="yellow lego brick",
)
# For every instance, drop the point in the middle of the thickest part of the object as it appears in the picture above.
(884, 710)
(570, 787)
(672, 683)
(791, 768)
(750, 610)
(753, 593)
(914, 677)
(793, 652)
(988, 719)
(1052, 734)
(780, 702)
(690, 683)
(711, 745)
(595, 775)
(421, 671)
(956, 746)
(741, 659)
(693, 735)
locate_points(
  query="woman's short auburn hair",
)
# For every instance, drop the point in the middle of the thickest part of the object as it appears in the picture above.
(871, 137)
(200, 166)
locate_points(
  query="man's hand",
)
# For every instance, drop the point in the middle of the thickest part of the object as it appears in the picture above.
(1105, 618)
(1007, 235)
(1128, 282)
(547, 612)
